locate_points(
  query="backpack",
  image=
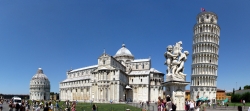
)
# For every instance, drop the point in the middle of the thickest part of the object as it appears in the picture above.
(162, 105)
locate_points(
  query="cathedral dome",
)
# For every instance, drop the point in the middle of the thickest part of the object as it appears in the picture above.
(123, 51)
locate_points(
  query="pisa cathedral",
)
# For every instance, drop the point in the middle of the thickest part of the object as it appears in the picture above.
(115, 78)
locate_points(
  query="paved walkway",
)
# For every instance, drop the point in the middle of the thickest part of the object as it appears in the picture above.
(153, 107)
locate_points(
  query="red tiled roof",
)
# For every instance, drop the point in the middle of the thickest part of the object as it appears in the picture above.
(220, 90)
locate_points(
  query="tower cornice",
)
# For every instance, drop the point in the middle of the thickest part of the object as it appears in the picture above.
(206, 12)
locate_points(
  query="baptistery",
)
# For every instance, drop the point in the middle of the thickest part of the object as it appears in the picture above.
(40, 86)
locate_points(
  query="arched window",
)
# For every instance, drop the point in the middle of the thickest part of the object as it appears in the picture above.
(212, 20)
(136, 66)
(141, 80)
(202, 20)
(132, 80)
(142, 66)
(103, 62)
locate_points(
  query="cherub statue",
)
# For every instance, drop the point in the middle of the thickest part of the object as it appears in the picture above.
(169, 56)
(182, 59)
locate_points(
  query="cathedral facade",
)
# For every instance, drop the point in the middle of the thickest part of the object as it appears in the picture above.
(115, 78)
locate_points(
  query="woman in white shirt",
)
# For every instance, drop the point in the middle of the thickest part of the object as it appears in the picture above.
(38, 108)
(192, 105)
(51, 106)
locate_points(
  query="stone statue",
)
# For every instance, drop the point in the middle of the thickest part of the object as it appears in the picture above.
(182, 59)
(169, 56)
(175, 60)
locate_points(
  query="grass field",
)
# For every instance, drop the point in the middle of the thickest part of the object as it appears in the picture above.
(102, 107)
(238, 104)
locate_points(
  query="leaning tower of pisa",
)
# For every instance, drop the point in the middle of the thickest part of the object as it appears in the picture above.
(205, 57)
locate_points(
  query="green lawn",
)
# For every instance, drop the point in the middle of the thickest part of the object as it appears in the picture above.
(103, 107)
(238, 104)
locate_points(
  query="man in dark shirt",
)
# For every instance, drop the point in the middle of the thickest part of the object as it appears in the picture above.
(17, 107)
(46, 107)
(173, 107)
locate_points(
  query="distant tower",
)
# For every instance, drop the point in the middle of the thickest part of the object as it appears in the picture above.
(205, 56)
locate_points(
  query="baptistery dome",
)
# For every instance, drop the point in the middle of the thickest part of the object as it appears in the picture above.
(39, 86)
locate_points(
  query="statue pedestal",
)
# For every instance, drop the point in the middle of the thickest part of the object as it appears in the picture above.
(175, 87)
(176, 77)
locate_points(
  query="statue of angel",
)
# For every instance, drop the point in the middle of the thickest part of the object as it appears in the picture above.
(169, 56)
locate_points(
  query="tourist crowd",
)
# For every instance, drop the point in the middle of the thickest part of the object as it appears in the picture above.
(33, 105)
(191, 105)
(166, 104)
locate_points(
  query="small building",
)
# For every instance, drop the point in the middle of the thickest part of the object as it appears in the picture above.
(54, 96)
(242, 91)
(187, 95)
(221, 94)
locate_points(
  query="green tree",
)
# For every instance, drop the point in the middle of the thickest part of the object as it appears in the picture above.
(240, 88)
(238, 97)
(247, 87)
(233, 91)
(229, 94)
(246, 96)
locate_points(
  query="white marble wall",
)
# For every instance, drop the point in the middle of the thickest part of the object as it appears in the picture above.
(107, 81)
(39, 95)
(205, 56)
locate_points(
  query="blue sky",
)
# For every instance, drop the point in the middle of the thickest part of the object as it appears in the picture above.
(60, 35)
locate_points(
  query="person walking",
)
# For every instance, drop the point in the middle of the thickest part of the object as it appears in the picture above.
(57, 106)
(11, 106)
(159, 103)
(173, 107)
(187, 105)
(192, 105)
(22, 108)
(73, 108)
(17, 106)
(203, 106)
(94, 107)
(1, 105)
(46, 108)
